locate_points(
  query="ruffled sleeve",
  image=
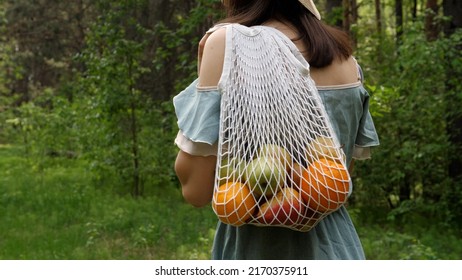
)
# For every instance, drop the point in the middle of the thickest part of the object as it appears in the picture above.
(198, 114)
(367, 135)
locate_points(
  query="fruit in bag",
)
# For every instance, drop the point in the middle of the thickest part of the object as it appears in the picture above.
(324, 147)
(231, 170)
(265, 176)
(277, 153)
(284, 208)
(233, 203)
(325, 185)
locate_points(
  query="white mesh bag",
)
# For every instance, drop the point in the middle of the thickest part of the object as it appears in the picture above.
(279, 162)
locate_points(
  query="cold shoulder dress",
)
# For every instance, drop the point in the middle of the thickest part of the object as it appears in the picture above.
(335, 237)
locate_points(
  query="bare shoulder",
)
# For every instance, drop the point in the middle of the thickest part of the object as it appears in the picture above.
(213, 58)
(340, 72)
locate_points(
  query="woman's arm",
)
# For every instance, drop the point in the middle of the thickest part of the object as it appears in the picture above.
(211, 62)
(197, 173)
(197, 177)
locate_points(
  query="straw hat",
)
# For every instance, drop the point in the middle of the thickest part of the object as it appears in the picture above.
(311, 7)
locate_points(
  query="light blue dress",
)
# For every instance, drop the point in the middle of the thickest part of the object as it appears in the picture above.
(335, 237)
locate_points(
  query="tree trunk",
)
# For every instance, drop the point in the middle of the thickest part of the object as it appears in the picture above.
(333, 7)
(378, 17)
(431, 28)
(350, 17)
(378, 26)
(354, 19)
(414, 10)
(136, 186)
(346, 16)
(399, 21)
(453, 9)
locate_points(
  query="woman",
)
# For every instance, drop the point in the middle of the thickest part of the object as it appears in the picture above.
(337, 77)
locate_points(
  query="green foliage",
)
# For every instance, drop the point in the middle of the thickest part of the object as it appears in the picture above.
(45, 128)
(410, 108)
(111, 125)
(127, 135)
(180, 42)
(380, 244)
(421, 239)
(9, 70)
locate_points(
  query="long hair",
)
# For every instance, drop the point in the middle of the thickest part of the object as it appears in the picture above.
(323, 43)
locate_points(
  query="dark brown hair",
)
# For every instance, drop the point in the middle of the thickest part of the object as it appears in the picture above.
(323, 43)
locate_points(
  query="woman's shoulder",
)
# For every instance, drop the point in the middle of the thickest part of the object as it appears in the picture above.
(245, 30)
(215, 49)
(339, 72)
(212, 59)
(344, 97)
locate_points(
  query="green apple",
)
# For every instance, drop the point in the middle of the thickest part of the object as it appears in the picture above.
(231, 170)
(265, 175)
(276, 152)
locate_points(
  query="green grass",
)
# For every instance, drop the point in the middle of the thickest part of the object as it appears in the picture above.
(55, 211)
(414, 239)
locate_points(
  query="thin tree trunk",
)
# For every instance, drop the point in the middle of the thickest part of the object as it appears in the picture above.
(136, 189)
(378, 17)
(378, 26)
(414, 10)
(332, 6)
(354, 19)
(346, 16)
(399, 21)
(431, 28)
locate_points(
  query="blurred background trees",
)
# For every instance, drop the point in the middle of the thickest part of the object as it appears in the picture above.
(93, 80)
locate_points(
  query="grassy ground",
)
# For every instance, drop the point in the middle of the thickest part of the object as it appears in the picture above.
(58, 213)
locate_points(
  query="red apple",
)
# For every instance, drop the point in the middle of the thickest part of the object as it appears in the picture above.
(284, 208)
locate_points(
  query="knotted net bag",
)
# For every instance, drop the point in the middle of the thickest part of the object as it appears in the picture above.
(279, 162)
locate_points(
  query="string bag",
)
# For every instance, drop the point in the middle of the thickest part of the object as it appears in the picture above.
(279, 162)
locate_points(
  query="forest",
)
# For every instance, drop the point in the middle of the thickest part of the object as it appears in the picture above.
(87, 127)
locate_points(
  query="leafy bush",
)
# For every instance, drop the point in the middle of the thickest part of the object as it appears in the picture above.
(410, 110)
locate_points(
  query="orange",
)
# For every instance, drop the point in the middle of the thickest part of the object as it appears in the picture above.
(233, 203)
(324, 185)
